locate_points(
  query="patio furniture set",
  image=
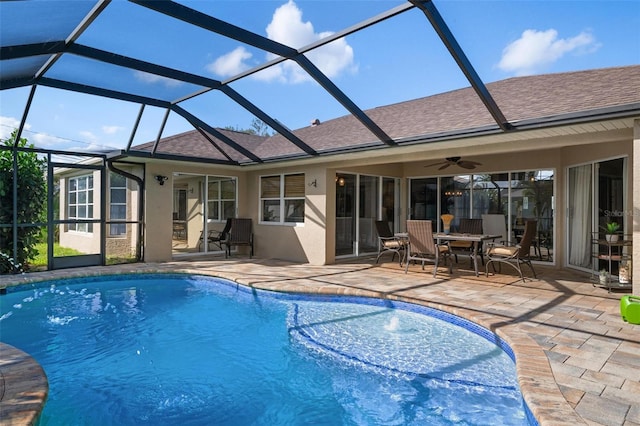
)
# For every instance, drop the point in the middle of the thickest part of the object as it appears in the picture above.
(476, 238)
(236, 232)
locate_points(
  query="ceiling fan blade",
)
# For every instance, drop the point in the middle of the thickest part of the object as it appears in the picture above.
(468, 164)
(436, 164)
(444, 167)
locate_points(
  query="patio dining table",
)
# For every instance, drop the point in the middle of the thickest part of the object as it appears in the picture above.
(476, 239)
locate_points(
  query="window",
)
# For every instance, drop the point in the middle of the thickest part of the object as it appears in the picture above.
(80, 205)
(117, 204)
(221, 198)
(519, 196)
(282, 198)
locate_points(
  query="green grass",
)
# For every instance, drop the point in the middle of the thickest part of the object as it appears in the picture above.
(40, 261)
(58, 251)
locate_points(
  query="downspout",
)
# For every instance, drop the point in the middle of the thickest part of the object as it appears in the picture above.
(140, 181)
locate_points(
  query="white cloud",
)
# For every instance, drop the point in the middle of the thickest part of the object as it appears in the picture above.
(534, 50)
(110, 130)
(88, 136)
(288, 28)
(44, 140)
(146, 77)
(232, 63)
(90, 142)
(8, 125)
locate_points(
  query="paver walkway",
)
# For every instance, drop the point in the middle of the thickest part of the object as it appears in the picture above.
(577, 361)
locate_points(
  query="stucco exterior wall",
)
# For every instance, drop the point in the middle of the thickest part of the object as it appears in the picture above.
(158, 204)
(300, 243)
(314, 241)
(158, 214)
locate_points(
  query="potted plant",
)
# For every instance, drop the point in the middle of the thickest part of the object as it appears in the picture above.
(610, 231)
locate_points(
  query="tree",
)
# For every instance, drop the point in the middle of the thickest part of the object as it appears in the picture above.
(258, 127)
(31, 202)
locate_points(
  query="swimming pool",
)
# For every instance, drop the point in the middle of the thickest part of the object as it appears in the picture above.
(166, 349)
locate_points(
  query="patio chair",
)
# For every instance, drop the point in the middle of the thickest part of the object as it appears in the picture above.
(216, 237)
(239, 235)
(467, 226)
(495, 224)
(514, 255)
(388, 242)
(423, 248)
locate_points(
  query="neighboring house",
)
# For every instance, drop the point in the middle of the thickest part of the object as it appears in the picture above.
(572, 163)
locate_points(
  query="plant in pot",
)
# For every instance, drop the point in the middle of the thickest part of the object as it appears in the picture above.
(610, 231)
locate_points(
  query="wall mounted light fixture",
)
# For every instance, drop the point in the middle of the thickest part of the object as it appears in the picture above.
(161, 179)
(313, 183)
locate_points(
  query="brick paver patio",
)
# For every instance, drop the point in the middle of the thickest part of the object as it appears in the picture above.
(577, 361)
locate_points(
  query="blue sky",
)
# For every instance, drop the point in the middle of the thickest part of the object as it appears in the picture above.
(394, 61)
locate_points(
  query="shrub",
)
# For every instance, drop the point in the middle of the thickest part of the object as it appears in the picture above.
(31, 202)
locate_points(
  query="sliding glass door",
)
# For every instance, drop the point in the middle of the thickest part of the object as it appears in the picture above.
(595, 197)
(360, 201)
(519, 196)
(580, 218)
(345, 214)
(368, 208)
(201, 206)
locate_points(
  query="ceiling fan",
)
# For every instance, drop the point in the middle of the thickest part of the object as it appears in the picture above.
(457, 161)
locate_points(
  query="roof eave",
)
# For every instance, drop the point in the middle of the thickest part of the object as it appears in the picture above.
(580, 117)
(121, 154)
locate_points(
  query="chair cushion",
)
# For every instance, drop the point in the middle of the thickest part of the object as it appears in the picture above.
(502, 251)
(443, 248)
(392, 244)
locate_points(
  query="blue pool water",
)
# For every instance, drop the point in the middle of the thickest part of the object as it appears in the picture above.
(190, 350)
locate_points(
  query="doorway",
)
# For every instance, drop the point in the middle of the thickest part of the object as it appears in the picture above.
(596, 196)
(201, 206)
(360, 201)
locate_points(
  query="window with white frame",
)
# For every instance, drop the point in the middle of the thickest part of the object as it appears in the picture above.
(117, 204)
(282, 198)
(80, 205)
(221, 198)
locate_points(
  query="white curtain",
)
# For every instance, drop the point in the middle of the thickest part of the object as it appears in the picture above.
(580, 216)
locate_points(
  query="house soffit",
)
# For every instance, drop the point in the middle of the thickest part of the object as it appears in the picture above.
(488, 144)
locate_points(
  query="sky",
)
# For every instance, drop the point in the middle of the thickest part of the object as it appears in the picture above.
(394, 61)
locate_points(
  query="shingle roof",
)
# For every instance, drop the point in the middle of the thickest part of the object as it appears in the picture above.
(529, 98)
(193, 144)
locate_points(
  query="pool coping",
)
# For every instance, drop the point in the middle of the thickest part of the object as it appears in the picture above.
(535, 377)
(23, 387)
